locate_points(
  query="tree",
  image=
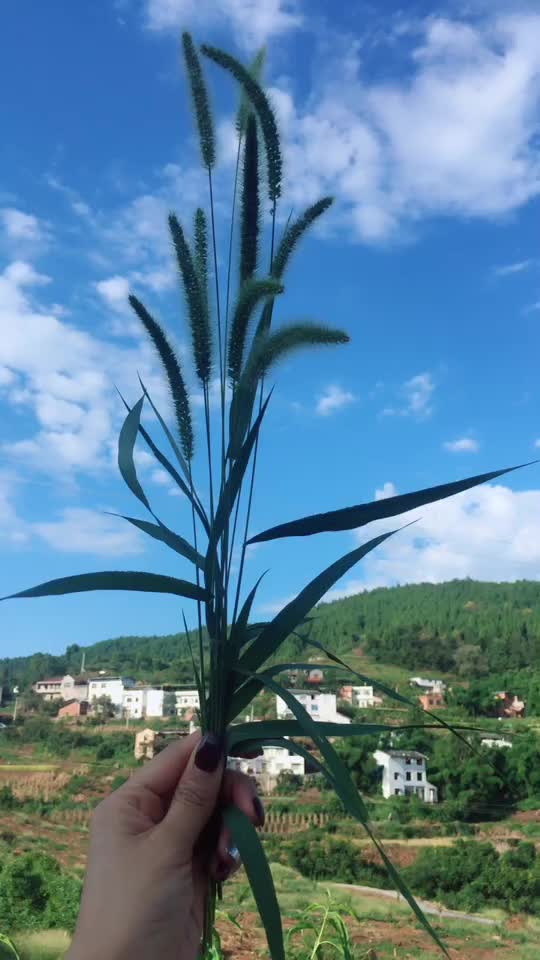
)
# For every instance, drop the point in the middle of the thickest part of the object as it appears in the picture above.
(287, 783)
(471, 661)
(357, 754)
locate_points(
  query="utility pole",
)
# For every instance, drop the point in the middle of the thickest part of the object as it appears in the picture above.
(83, 662)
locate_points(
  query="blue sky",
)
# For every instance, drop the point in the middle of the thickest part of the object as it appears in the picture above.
(425, 125)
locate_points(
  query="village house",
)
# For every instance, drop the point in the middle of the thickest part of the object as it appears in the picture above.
(267, 768)
(361, 697)
(508, 705)
(404, 774)
(74, 708)
(320, 706)
(496, 743)
(140, 702)
(427, 685)
(111, 687)
(434, 700)
(74, 688)
(186, 700)
(49, 689)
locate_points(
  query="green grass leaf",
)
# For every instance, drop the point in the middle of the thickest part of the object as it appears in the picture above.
(173, 540)
(173, 473)
(260, 878)
(229, 494)
(394, 695)
(348, 794)
(114, 580)
(126, 444)
(294, 612)
(178, 453)
(351, 517)
(244, 732)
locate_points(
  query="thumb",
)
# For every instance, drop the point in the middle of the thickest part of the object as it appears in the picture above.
(195, 796)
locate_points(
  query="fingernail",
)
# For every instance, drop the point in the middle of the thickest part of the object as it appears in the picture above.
(209, 753)
(259, 811)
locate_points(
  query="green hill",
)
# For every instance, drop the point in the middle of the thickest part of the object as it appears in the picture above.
(463, 626)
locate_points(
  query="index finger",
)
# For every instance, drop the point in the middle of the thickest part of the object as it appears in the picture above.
(162, 774)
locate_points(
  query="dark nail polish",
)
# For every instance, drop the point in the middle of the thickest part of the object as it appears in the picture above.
(259, 811)
(209, 753)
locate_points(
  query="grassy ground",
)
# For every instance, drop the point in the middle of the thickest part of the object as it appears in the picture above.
(384, 927)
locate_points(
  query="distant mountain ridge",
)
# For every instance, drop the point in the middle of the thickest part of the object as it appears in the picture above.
(470, 625)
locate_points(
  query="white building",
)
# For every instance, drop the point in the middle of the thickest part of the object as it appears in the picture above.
(428, 685)
(149, 702)
(186, 700)
(404, 774)
(496, 742)
(320, 706)
(134, 703)
(111, 687)
(267, 768)
(364, 697)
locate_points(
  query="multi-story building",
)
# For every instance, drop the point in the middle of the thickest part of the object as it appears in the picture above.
(362, 697)
(74, 688)
(111, 687)
(149, 702)
(49, 689)
(266, 768)
(320, 706)
(404, 774)
(186, 700)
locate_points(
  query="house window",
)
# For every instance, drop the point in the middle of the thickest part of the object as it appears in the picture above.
(408, 775)
(407, 759)
(315, 708)
(396, 776)
(418, 776)
(396, 793)
(419, 761)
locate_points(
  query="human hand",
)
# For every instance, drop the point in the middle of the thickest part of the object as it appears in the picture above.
(147, 875)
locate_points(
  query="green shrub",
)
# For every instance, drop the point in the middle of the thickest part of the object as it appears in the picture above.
(7, 798)
(36, 894)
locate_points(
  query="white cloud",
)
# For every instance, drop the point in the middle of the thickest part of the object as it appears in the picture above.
(64, 378)
(83, 531)
(462, 445)
(333, 398)
(490, 533)
(114, 291)
(161, 478)
(455, 132)
(509, 269)
(253, 22)
(23, 231)
(387, 490)
(415, 398)
(12, 527)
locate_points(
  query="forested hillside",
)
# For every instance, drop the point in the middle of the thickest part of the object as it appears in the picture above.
(463, 626)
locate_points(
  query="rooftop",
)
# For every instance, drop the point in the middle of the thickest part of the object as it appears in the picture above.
(405, 753)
